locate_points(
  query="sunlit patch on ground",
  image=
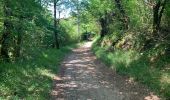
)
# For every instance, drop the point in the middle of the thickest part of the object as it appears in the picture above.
(45, 72)
(152, 97)
(165, 78)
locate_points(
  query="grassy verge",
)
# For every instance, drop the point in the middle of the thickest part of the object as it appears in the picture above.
(138, 66)
(31, 78)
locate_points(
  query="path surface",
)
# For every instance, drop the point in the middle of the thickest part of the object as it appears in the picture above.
(83, 77)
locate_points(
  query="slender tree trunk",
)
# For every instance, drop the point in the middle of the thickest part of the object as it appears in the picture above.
(19, 39)
(59, 15)
(7, 31)
(103, 26)
(158, 10)
(78, 20)
(124, 18)
(18, 48)
(104, 22)
(56, 44)
(20, 31)
(156, 16)
(102, 31)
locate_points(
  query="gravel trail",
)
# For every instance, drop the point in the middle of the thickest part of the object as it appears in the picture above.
(83, 77)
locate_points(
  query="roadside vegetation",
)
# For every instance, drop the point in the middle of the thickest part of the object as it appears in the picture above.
(29, 54)
(138, 67)
(133, 38)
(32, 77)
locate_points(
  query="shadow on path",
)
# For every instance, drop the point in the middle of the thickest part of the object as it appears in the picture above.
(83, 77)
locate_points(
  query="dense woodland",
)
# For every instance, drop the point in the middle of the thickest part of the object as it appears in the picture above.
(131, 36)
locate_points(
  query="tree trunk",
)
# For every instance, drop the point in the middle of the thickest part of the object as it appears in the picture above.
(158, 10)
(104, 22)
(156, 16)
(6, 33)
(19, 40)
(103, 25)
(56, 43)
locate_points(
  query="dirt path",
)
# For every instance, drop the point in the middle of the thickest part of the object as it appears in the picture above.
(83, 77)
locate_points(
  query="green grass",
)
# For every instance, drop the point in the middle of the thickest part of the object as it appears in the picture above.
(138, 66)
(31, 78)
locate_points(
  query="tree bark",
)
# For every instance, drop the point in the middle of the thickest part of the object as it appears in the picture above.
(158, 10)
(6, 32)
(103, 23)
(56, 44)
(19, 39)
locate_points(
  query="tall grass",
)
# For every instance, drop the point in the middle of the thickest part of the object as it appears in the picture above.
(138, 66)
(31, 78)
